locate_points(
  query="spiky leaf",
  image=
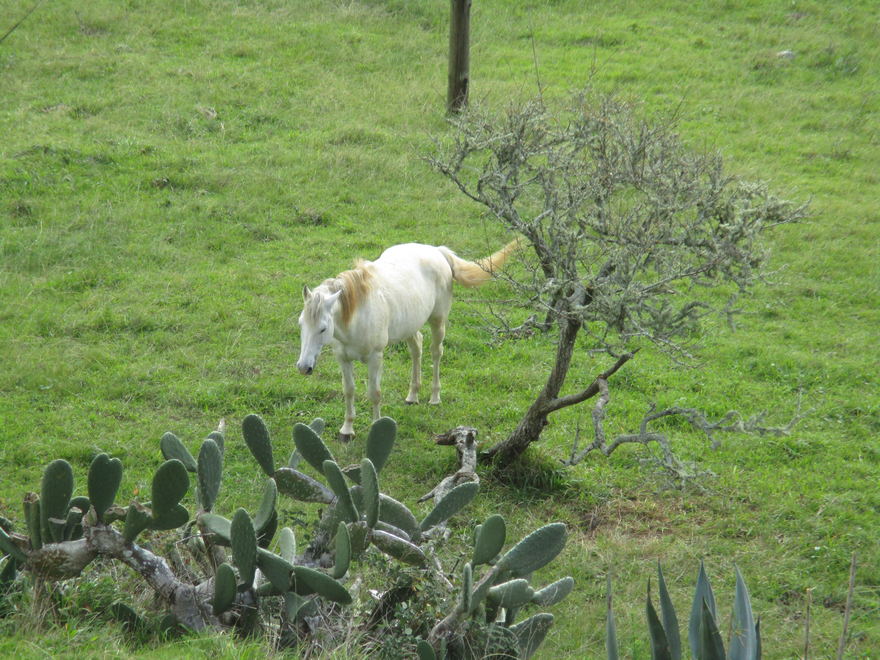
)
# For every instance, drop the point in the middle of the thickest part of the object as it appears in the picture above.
(668, 616)
(370, 485)
(513, 593)
(311, 447)
(467, 588)
(34, 520)
(743, 641)
(170, 484)
(302, 487)
(321, 584)
(711, 647)
(425, 651)
(287, 544)
(536, 550)
(176, 516)
(266, 512)
(276, 569)
(531, 633)
(256, 436)
(398, 548)
(454, 501)
(243, 540)
(344, 503)
(554, 593)
(105, 475)
(9, 547)
(610, 625)
(137, 519)
(210, 473)
(703, 592)
(343, 551)
(397, 514)
(217, 437)
(57, 487)
(172, 447)
(380, 442)
(490, 540)
(224, 589)
(659, 641)
(317, 425)
(219, 527)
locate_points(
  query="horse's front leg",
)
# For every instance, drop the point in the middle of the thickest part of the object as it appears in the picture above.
(415, 383)
(346, 433)
(374, 377)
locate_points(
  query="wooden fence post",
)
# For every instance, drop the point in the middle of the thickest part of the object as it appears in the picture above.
(459, 55)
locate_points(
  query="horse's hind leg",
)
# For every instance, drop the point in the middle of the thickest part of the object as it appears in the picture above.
(438, 332)
(415, 351)
(346, 433)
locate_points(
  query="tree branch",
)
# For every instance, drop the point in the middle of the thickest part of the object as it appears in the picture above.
(593, 389)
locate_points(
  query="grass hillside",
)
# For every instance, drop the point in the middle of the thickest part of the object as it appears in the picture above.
(172, 173)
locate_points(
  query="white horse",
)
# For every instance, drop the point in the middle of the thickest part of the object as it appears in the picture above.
(360, 311)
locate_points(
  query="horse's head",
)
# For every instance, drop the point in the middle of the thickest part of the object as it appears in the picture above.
(316, 326)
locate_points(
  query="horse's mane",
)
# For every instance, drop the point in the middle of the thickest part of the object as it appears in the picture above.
(355, 284)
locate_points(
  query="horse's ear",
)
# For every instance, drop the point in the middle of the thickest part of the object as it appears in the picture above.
(307, 292)
(332, 298)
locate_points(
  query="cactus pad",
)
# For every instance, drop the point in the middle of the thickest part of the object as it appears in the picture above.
(243, 540)
(172, 447)
(224, 589)
(311, 447)
(105, 475)
(380, 442)
(256, 435)
(57, 487)
(210, 473)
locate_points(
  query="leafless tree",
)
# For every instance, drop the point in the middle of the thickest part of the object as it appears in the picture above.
(631, 237)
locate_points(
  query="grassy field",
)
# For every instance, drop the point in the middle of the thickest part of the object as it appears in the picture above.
(172, 173)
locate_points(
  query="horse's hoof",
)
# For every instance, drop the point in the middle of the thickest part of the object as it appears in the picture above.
(346, 437)
(411, 403)
(434, 403)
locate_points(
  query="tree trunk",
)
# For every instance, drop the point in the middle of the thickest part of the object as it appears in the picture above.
(459, 55)
(535, 419)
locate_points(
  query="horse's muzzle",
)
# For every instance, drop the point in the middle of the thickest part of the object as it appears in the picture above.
(306, 371)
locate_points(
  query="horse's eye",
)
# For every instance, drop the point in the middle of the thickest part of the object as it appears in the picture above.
(323, 330)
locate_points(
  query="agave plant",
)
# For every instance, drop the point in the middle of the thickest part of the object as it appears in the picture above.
(703, 630)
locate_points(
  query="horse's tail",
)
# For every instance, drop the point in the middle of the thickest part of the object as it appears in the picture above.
(474, 273)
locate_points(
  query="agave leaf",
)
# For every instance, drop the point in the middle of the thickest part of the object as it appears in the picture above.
(659, 642)
(534, 551)
(711, 646)
(670, 620)
(172, 447)
(531, 633)
(210, 473)
(703, 592)
(380, 441)
(610, 626)
(311, 447)
(455, 500)
(256, 436)
(490, 539)
(743, 640)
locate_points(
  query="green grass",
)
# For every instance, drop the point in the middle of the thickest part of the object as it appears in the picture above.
(172, 173)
